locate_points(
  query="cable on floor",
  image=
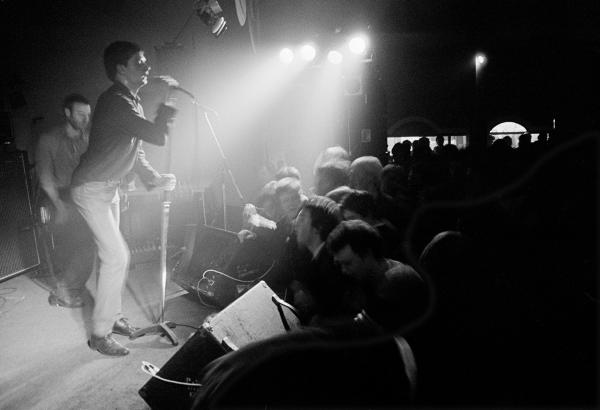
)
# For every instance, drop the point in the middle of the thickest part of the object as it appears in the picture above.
(152, 370)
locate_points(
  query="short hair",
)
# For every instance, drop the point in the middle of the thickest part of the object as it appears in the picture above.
(361, 202)
(118, 52)
(331, 154)
(332, 175)
(266, 193)
(359, 235)
(525, 138)
(324, 214)
(288, 184)
(337, 194)
(288, 171)
(71, 99)
(365, 171)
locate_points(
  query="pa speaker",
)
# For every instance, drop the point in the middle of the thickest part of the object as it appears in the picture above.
(256, 315)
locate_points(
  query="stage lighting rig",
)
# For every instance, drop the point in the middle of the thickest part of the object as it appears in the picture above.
(211, 14)
(286, 56)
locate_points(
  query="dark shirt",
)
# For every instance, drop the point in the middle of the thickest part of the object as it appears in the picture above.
(395, 298)
(57, 155)
(118, 129)
(333, 294)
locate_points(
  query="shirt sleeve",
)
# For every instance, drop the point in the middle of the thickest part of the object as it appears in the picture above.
(131, 120)
(144, 170)
(43, 161)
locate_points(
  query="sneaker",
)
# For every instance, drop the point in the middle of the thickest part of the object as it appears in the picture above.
(107, 345)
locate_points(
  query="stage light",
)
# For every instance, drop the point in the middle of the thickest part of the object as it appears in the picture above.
(308, 52)
(211, 14)
(286, 56)
(480, 59)
(358, 44)
(335, 57)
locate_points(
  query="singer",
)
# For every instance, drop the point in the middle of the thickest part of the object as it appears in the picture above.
(114, 154)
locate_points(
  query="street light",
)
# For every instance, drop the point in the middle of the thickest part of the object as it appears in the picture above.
(477, 127)
(480, 60)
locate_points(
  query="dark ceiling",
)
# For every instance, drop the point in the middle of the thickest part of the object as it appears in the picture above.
(546, 52)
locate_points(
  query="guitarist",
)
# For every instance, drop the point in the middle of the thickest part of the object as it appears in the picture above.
(56, 157)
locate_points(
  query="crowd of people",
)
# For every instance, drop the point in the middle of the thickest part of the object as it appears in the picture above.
(482, 261)
(445, 276)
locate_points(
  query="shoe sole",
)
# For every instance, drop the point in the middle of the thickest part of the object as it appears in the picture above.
(53, 300)
(114, 332)
(107, 354)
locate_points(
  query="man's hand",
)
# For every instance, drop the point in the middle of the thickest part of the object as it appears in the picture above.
(245, 234)
(165, 182)
(169, 83)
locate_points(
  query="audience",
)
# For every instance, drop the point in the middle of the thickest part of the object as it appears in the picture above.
(474, 254)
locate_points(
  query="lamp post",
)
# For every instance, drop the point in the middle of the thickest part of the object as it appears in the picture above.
(478, 136)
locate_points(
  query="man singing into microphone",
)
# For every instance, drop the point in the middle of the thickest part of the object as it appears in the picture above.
(114, 153)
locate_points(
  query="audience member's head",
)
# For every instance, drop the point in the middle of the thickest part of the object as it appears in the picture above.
(331, 154)
(356, 246)
(524, 140)
(289, 193)
(365, 175)
(542, 138)
(358, 205)
(317, 218)
(287, 171)
(267, 199)
(330, 176)
(394, 180)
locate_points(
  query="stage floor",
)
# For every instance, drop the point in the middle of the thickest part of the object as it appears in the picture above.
(44, 359)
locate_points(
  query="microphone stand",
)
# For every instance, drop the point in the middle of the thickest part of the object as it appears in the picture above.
(162, 327)
(226, 169)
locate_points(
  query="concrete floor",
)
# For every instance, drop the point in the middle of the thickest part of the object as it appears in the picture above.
(45, 362)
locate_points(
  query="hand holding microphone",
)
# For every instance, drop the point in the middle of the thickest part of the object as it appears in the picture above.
(165, 182)
(174, 86)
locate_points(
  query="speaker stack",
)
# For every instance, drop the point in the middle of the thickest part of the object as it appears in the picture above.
(18, 243)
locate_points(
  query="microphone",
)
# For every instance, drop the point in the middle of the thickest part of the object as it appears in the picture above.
(174, 85)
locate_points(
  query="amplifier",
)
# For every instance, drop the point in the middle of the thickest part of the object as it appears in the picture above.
(215, 266)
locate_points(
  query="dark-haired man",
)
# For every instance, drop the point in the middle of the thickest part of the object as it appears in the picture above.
(57, 155)
(393, 294)
(114, 153)
(321, 292)
(361, 205)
